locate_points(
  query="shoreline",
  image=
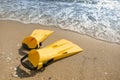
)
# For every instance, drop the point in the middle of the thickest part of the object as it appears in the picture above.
(98, 61)
(58, 28)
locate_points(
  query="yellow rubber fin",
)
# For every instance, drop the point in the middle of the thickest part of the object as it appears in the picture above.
(36, 38)
(58, 50)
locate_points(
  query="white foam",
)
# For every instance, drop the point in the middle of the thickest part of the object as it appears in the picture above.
(100, 20)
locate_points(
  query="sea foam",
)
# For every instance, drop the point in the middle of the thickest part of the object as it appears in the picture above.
(96, 18)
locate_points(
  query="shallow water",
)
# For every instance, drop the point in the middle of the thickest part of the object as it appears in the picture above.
(96, 18)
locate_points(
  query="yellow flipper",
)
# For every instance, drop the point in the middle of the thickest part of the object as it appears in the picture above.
(36, 38)
(59, 49)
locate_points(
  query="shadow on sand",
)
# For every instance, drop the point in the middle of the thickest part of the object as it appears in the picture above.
(26, 73)
(22, 51)
(23, 72)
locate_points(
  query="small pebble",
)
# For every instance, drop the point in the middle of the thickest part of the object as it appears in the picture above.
(14, 74)
(106, 73)
(15, 69)
(8, 58)
(18, 45)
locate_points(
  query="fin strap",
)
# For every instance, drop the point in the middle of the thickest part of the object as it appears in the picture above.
(25, 65)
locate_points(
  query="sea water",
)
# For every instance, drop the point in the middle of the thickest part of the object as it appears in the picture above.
(97, 18)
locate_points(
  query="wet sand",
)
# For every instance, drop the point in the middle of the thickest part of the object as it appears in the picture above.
(99, 61)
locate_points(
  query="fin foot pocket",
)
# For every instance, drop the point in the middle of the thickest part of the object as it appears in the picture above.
(25, 46)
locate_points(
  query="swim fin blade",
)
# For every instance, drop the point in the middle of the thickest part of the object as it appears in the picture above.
(34, 41)
(60, 49)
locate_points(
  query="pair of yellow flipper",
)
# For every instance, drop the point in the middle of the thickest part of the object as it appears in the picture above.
(42, 57)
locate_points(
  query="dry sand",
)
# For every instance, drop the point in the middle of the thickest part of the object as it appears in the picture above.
(99, 61)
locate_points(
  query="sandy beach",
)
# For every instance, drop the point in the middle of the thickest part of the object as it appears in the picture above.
(98, 61)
